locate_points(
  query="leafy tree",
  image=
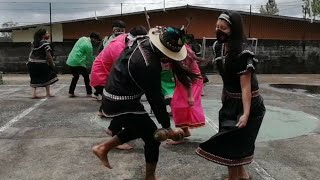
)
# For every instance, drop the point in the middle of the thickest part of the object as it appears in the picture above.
(315, 5)
(270, 8)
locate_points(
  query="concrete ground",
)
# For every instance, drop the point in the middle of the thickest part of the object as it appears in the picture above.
(51, 138)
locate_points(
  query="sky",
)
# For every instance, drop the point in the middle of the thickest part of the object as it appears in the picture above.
(36, 11)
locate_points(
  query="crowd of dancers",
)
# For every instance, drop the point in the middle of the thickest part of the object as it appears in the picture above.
(162, 63)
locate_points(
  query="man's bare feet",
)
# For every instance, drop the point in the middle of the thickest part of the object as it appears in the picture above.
(124, 146)
(152, 178)
(172, 142)
(248, 178)
(99, 151)
(49, 95)
(108, 131)
(100, 114)
(186, 132)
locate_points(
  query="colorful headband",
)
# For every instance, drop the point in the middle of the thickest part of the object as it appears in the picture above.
(225, 17)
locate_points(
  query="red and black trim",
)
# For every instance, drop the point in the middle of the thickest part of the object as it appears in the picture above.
(183, 125)
(224, 161)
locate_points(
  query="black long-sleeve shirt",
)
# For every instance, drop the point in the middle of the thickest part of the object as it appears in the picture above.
(136, 72)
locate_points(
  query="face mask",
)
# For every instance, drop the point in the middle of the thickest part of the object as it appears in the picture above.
(46, 37)
(222, 37)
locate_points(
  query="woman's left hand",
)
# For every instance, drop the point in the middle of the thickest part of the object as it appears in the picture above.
(242, 121)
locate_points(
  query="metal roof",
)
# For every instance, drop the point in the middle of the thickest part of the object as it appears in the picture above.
(9, 29)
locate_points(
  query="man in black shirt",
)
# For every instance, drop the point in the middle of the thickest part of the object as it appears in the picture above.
(137, 72)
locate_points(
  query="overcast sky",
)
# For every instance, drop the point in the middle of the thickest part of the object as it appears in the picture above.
(37, 11)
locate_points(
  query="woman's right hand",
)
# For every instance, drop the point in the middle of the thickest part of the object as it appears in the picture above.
(191, 101)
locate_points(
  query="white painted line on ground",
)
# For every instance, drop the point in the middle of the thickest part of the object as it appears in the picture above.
(262, 172)
(25, 112)
(211, 123)
(312, 117)
(12, 85)
(20, 116)
(309, 95)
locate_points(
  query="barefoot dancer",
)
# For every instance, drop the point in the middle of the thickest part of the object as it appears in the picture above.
(186, 104)
(40, 64)
(242, 106)
(137, 72)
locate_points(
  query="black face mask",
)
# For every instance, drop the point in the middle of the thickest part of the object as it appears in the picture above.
(222, 37)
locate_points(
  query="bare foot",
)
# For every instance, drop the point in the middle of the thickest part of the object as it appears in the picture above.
(124, 146)
(243, 174)
(100, 114)
(172, 142)
(245, 177)
(186, 132)
(98, 150)
(152, 178)
(49, 95)
(108, 131)
(36, 97)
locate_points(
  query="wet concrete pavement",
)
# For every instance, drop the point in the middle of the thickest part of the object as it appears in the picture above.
(51, 138)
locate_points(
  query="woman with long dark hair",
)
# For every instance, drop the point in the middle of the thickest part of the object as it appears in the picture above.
(40, 64)
(242, 109)
(186, 103)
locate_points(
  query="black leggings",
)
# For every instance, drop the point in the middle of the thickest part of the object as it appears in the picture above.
(98, 90)
(76, 71)
(137, 126)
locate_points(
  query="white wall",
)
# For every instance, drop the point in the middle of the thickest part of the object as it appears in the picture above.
(27, 34)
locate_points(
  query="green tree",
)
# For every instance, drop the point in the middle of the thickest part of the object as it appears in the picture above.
(315, 5)
(270, 8)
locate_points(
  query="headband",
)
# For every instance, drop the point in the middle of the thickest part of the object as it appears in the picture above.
(225, 17)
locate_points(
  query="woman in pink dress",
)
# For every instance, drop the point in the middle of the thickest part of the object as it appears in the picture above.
(186, 104)
(103, 63)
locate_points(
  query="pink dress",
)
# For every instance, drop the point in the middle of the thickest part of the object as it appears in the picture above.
(103, 63)
(183, 114)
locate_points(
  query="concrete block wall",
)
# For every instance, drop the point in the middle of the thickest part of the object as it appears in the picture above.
(276, 57)
(284, 57)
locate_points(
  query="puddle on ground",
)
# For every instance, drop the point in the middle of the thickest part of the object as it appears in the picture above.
(302, 88)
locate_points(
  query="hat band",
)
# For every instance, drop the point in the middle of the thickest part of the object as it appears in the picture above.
(169, 45)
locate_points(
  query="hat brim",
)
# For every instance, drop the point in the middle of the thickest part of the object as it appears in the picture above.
(177, 56)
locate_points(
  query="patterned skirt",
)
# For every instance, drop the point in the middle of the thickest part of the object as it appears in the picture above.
(232, 146)
(41, 74)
